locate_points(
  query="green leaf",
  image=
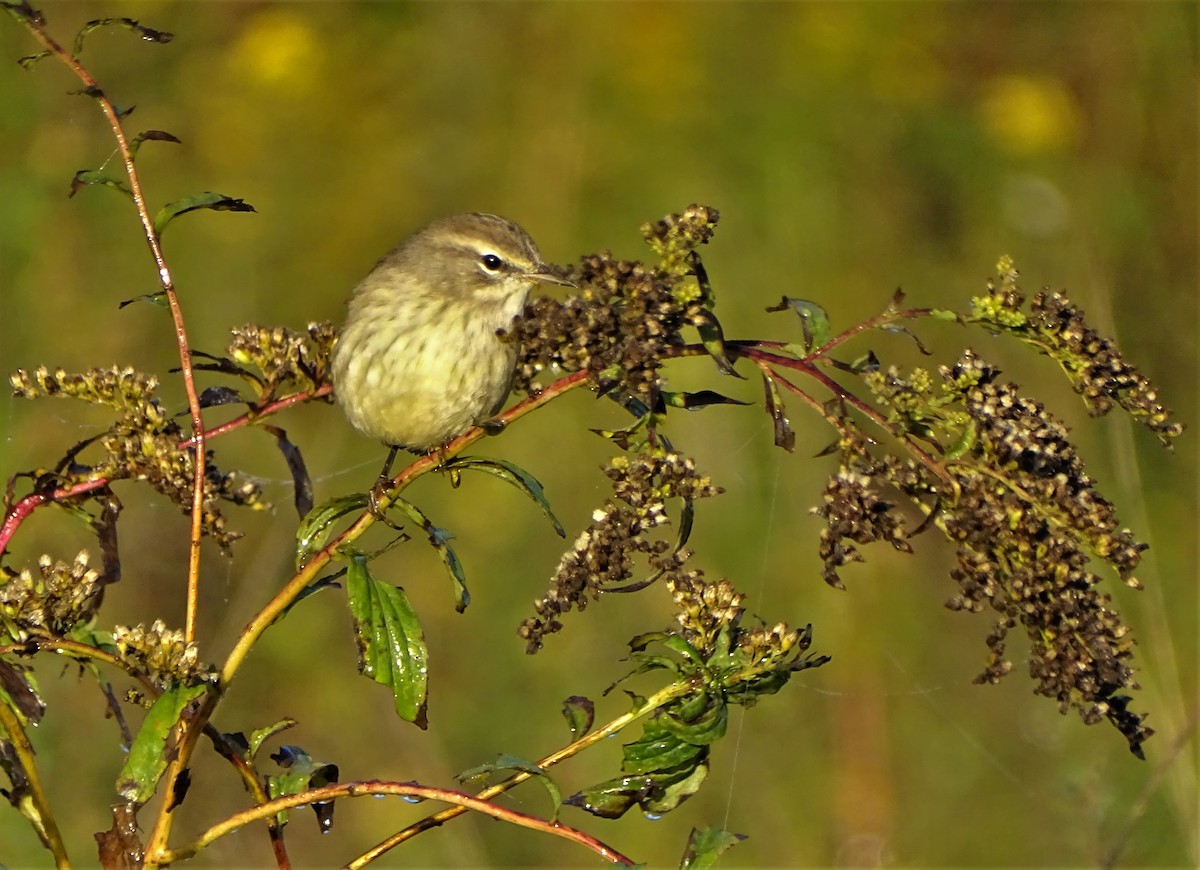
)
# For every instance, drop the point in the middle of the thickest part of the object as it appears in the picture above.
(302, 773)
(659, 751)
(439, 539)
(154, 744)
(705, 846)
(208, 200)
(700, 730)
(713, 340)
(315, 528)
(159, 299)
(259, 735)
(506, 762)
(814, 320)
(676, 792)
(85, 177)
(965, 441)
(512, 474)
(391, 644)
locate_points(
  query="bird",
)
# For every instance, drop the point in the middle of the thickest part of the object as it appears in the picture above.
(419, 359)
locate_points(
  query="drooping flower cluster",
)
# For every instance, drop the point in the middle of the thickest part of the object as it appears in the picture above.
(602, 557)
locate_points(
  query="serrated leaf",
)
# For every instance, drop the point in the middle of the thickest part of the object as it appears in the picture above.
(207, 200)
(391, 644)
(705, 846)
(512, 474)
(316, 526)
(153, 746)
(814, 320)
(85, 177)
(439, 539)
(784, 436)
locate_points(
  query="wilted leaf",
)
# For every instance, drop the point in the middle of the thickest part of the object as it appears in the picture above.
(784, 436)
(214, 396)
(439, 539)
(701, 399)
(85, 177)
(580, 713)
(705, 846)
(150, 136)
(512, 474)
(149, 34)
(302, 488)
(302, 773)
(391, 644)
(207, 200)
(18, 692)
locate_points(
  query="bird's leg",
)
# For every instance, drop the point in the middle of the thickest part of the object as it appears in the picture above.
(383, 484)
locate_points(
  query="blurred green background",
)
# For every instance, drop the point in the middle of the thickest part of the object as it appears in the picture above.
(851, 147)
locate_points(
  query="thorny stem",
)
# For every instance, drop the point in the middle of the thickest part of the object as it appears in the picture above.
(379, 787)
(40, 815)
(92, 88)
(655, 701)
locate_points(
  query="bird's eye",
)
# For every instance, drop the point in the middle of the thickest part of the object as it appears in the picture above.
(491, 262)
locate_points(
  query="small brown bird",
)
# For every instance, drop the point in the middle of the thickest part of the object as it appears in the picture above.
(419, 360)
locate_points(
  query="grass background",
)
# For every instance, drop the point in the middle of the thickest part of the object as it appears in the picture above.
(851, 147)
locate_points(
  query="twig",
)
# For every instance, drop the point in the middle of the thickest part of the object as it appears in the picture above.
(380, 787)
(42, 819)
(92, 88)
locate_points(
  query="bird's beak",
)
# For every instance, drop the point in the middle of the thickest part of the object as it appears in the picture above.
(549, 278)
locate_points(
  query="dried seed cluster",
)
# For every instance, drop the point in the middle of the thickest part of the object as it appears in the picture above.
(602, 557)
(856, 514)
(1095, 365)
(143, 444)
(160, 654)
(122, 388)
(1012, 493)
(1024, 522)
(283, 356)
(52, 600)
(627, 317)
